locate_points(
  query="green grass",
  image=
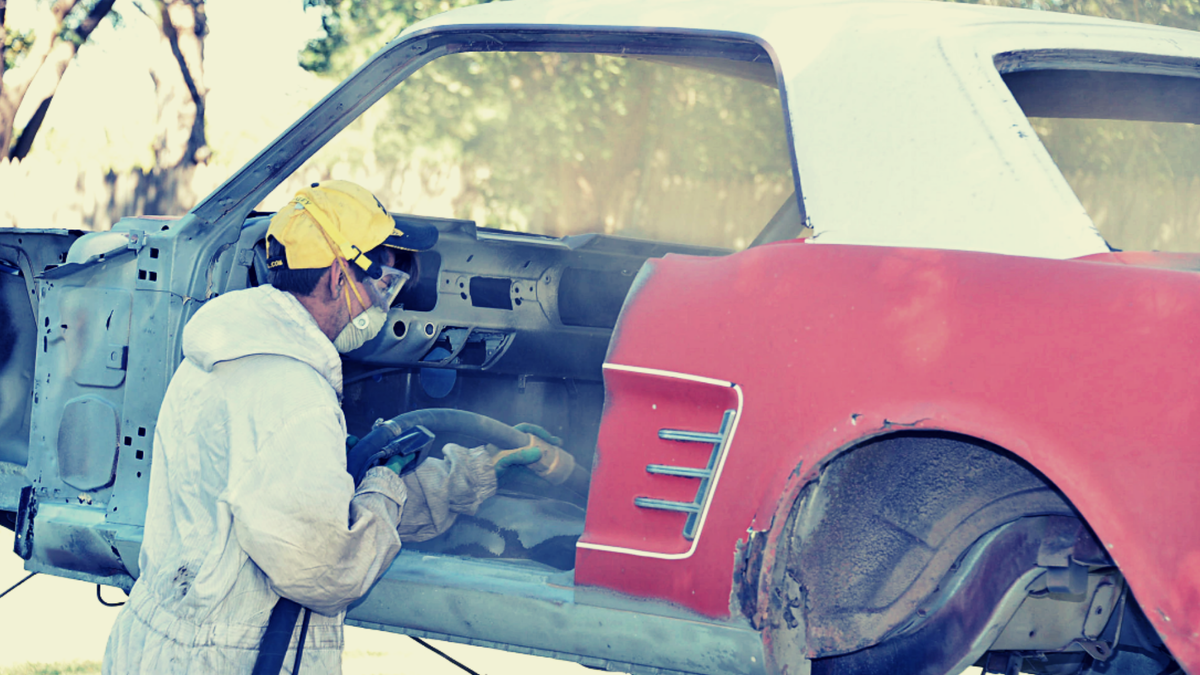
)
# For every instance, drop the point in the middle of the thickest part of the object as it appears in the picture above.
(70, 668)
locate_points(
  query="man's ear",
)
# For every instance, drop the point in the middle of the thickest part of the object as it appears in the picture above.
(333, 280)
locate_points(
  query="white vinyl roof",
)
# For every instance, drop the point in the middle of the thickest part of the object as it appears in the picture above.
(905, 134)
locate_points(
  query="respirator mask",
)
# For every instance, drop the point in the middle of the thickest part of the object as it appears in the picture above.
(381, 293)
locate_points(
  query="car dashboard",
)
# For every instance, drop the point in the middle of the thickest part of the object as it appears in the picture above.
(502, 302)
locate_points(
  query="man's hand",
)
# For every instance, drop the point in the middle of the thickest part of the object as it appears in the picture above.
(526, 455)
(543, 456)
(398, 463)
(506, 459)
(539, 432)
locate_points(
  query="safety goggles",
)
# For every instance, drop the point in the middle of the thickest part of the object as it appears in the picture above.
(381, 292)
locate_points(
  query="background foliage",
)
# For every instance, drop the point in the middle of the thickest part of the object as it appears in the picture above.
(564, 143)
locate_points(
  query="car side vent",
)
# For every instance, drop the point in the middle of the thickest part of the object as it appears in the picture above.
(693, 508)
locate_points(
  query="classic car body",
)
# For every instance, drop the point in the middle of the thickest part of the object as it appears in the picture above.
(929, 418)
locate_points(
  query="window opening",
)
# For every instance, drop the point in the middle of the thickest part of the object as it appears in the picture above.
(1128, 144)
(671, 149)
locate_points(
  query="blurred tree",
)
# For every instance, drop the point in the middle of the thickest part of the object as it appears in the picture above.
(36, 57)
(180, 89)
(180, 143)
(563, 143)
(355, 29)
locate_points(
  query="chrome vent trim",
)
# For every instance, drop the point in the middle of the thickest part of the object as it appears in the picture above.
(695, 507)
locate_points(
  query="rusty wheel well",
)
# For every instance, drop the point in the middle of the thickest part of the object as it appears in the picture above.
(873, 535)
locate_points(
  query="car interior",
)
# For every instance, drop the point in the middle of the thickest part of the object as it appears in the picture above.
(511, 314)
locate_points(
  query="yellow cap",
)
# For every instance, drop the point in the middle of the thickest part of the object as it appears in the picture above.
(327, 220)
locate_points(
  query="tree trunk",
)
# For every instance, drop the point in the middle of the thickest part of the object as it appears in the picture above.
(180, 145)
(3, 41)
(52, 73)
(16, 82)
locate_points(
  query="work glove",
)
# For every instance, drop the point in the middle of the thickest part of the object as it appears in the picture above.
(506, 459)
(542, 455)
(539, 432)
(523, 456)
(398, 462)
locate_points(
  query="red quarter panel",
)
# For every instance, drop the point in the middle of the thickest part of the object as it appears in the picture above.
(1085, 368)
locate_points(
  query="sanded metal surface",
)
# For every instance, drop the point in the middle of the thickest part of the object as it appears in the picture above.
(529, 607)
(87, 443)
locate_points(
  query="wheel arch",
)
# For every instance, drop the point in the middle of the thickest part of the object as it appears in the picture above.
(890, 514)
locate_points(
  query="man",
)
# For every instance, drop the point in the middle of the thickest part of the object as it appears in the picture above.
(249, 495)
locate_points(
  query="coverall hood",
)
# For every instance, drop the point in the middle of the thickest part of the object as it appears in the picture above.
(255, 321)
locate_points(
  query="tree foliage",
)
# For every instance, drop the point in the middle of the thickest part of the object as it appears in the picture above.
(17, 44)
(355, 29)
(566, 143)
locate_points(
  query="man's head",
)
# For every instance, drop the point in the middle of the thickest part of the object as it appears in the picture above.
(338, 251)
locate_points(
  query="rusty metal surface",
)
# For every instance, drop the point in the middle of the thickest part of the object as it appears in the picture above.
(779, 610)
(887, 522)
(946, 635)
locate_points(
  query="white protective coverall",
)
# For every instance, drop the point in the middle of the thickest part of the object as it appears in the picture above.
(250, 499)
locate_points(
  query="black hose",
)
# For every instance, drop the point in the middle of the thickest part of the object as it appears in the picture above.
(442, 654)
(275, 641)
(14, 586)
(488, 430)
(579, 482)
(463, 422)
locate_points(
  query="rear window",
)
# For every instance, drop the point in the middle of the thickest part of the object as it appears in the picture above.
(1128, 145)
